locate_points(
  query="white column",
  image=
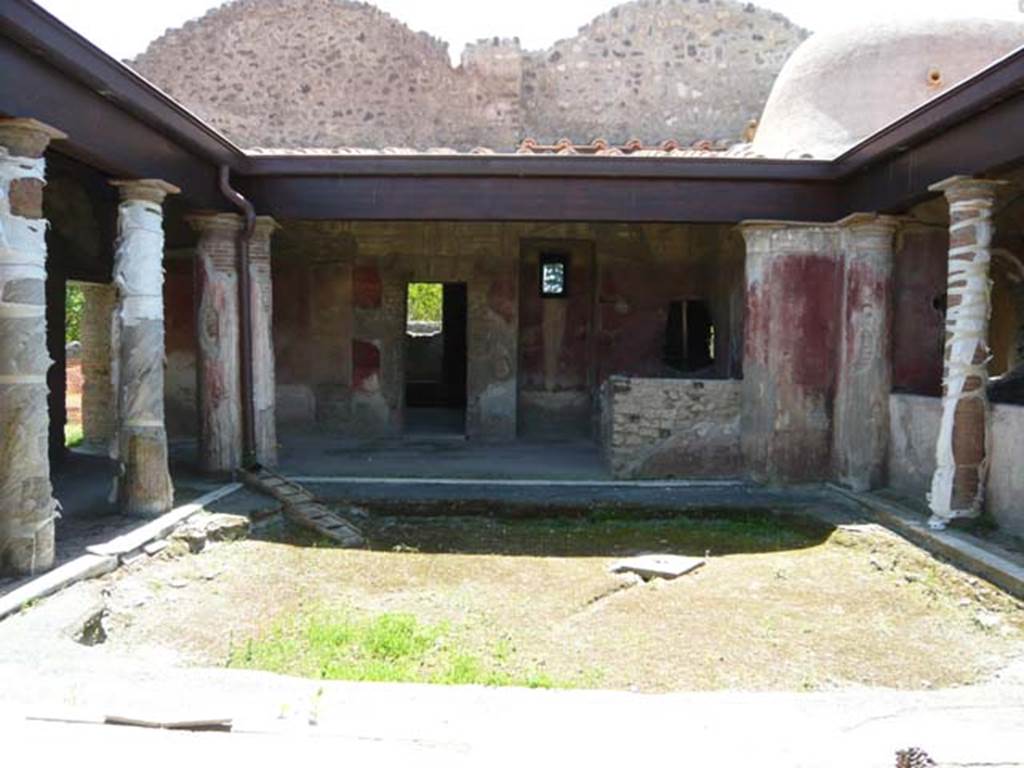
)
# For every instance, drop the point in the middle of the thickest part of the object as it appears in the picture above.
(27, 506)
(961, 453)
(143, 482)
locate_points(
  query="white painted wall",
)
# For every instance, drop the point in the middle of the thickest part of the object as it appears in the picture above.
(914, 427)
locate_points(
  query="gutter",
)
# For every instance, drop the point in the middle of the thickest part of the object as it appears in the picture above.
(249, 460)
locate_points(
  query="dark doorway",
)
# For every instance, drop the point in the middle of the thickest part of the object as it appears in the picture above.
(435, 358)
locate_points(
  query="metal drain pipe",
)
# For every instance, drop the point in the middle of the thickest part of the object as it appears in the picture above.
(249, 460)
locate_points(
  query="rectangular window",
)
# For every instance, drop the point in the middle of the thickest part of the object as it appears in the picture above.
(554, 276)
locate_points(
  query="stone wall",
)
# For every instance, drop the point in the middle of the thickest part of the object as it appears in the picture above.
(671, 427)
(319, 73)
(97, 393)
(914, 429)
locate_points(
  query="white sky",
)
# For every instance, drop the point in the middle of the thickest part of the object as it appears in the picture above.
(123, 28)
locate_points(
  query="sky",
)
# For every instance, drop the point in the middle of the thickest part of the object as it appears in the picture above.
(123, 28)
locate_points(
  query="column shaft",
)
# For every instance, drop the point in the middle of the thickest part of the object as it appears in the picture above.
(27, 506)
(220, 409)
(793, 276)
(961, 453)
(144, 481)
(219, 330)
(864, 373)
(262, 304)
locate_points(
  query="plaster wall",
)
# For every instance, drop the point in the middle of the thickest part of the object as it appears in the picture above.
(914, 429)
(339, 315)
(919, 319)
(181, 410)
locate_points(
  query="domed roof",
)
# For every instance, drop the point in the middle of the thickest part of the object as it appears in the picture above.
(840, 87)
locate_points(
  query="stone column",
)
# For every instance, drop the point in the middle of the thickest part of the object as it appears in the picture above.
(262, 304)
(793, 277)
(143, 483)
(219, 329)
(27, 506)
(97, 393)
(961, 453)
(864, 373)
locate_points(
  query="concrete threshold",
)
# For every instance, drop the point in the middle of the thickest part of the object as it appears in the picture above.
(514, 483)
(101, 559)
(977, 556)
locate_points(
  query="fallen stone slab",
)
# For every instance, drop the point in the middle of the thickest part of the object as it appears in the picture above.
(225, 527)
(650, 567)
(104, 558)
(162, 526)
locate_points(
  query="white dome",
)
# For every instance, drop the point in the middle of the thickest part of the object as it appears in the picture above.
(840, 87)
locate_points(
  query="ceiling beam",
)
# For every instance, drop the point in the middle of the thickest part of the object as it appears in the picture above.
(457, 198)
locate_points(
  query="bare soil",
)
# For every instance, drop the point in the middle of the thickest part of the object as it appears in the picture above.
(782, 603)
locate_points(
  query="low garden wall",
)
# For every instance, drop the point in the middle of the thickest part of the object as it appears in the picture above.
(659, 428)
(914, 428)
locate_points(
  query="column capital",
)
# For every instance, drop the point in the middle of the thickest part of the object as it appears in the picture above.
(967, 188)
(27, 137)
(871, 221)
(763, 235)
(144, 190)
(868, 230)
(229, 223)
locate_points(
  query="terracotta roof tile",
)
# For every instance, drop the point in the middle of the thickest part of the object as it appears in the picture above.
(598, 147)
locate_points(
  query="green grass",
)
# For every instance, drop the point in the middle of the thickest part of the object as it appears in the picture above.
(391, 647)
(73, 435)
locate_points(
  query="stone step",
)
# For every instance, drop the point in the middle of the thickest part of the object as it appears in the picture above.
(302, 508)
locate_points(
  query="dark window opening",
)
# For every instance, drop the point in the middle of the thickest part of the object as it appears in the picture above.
(554, 276)
(689, 336)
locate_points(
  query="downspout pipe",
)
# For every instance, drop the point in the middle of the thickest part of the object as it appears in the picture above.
(249, 460)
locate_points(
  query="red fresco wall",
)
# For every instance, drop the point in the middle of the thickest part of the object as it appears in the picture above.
(918, 333)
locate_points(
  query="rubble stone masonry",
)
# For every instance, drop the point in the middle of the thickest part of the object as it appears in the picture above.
(330, 73)
(671, 427)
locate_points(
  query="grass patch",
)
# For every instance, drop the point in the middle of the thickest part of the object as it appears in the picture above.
(391, 647)
(600, 532)
(73, 435)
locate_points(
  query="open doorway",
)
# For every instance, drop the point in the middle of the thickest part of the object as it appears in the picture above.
(435, 359)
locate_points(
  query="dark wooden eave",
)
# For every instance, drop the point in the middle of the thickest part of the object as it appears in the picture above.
(116, 121)
(121, 125)
(974, 128)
